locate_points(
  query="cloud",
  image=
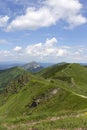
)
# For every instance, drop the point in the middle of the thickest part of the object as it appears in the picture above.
(47, 49)
(3, 21)
(4, 52)
(33, 19)
(49, 14)
(76, 21)
(52, 51)
(17, 49)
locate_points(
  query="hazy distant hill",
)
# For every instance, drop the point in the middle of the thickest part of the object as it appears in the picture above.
(7, 65)
(33, 67)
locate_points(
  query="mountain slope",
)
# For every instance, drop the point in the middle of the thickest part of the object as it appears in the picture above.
(56, 91)
(50, 71)
(33, 67)
(39, 98)
(10, 74)
(43, 96)
(74, 75)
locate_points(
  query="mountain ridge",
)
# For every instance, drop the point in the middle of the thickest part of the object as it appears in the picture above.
(57, 90)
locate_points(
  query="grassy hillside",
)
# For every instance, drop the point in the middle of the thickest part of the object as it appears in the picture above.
(51, 71)
(74, 75)
(39, 98)
(33, 94)
(10, 74)
(55, 92)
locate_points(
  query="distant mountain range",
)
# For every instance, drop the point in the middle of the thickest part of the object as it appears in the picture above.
(32, 66)
(7, 65)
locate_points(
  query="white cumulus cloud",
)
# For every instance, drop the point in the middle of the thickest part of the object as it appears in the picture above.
(47, 49)
(49, 14)
(17, 49)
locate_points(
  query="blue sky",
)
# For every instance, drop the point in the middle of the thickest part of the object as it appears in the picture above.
(43, 30)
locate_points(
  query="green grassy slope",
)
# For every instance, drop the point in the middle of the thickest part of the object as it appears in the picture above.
(74, 75)
(10, 74)
(55, 91)
(51, 71)
(50, 102)
(43, 96)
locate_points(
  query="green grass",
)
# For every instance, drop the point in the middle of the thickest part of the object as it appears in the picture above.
(66, 122)
(50, 71)
(74, 75)
(18, 104)
(24, 89)
(8, 75)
